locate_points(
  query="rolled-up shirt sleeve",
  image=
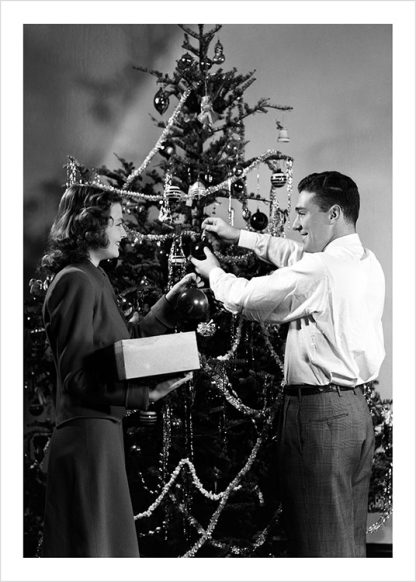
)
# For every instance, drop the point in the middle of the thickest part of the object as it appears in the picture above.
(277, 251)
(286, 294)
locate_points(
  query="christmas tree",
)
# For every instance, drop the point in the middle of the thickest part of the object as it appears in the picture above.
(203, 475)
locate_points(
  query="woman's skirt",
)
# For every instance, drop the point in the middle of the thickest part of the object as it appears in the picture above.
(88, 509)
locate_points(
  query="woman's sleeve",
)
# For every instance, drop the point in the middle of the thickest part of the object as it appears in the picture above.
(70, 309)
(160, 319)
(82, 373)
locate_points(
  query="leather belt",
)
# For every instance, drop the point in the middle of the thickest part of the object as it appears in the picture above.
(307, 389)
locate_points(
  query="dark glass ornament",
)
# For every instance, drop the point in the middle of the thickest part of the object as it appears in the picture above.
(35, 408)
(278, 179)
(161, 101)
(238, 171)
(205, 63)
(238, 187)
(259, 221)
(197, 249)
(192, 305)
(192, 103)
(185, 61)
(208, 178)
(167, 149)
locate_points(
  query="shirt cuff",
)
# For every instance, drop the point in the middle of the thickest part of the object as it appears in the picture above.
(247, 239)
(214, 274)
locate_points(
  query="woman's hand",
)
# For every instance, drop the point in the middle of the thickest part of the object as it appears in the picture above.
(163, 388)
(190, 280)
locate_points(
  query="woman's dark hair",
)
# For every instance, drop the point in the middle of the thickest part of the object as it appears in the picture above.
(79, 226)
(334, 188)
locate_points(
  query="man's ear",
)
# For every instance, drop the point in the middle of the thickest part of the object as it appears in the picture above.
(335, 213)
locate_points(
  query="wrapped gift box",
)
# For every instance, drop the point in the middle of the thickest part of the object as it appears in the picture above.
(156, 355)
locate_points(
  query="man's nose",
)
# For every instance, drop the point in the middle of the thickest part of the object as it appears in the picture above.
(295, 224)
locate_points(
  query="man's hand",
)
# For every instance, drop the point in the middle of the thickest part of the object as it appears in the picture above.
(191, 279)
(221, 229)
(204, 268)
(163, 388)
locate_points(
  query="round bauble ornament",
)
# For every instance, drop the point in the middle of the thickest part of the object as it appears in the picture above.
(35, 408)
(197, 249)
(192, 305)
(238, 171)
(167, 149)
(205, 63)
(259, 221)
(161, 101)
(278, 179)
(238, 187)
(185, 61)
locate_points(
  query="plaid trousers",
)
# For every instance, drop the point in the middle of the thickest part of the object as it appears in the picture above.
(326, 447)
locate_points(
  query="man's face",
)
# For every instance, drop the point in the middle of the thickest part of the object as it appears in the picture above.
(312, 223)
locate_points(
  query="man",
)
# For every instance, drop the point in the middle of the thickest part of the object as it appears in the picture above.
(331, 291)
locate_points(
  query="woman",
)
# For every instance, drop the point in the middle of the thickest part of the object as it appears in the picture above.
(88, 511)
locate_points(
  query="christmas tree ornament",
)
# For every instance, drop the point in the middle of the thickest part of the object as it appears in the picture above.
(192, 305)
(197, 190)
(283, 136)
(192, 104)
(161, 101)
(167, 149)
(238, 187)
(245, 213)
(205, 63)
(176, 261)
(185, 61)
(147, 417)
(207, 116)
(206, 329)
(258, 221)
(238, 171)
(278, 179)
(197, 248)
(219, 57)
(208, 178)
(36, 408)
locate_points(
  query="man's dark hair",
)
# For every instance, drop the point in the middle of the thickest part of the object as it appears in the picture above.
(333, 188)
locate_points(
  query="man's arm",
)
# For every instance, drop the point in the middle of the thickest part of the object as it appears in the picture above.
(278, 251)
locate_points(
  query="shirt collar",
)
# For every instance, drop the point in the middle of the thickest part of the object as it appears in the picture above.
(349, 241)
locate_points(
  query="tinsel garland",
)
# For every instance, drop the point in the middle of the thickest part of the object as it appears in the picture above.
(231, 487)
(159, 142)
(265, 329)
(73, 179)
(230, 180)
(233, 549)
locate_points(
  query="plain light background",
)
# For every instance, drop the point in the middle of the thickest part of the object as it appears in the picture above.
(82, 97)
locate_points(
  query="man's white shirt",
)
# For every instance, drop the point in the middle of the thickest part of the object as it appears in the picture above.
(333, 301)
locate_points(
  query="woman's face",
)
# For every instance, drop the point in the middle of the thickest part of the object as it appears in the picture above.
(115, 233)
